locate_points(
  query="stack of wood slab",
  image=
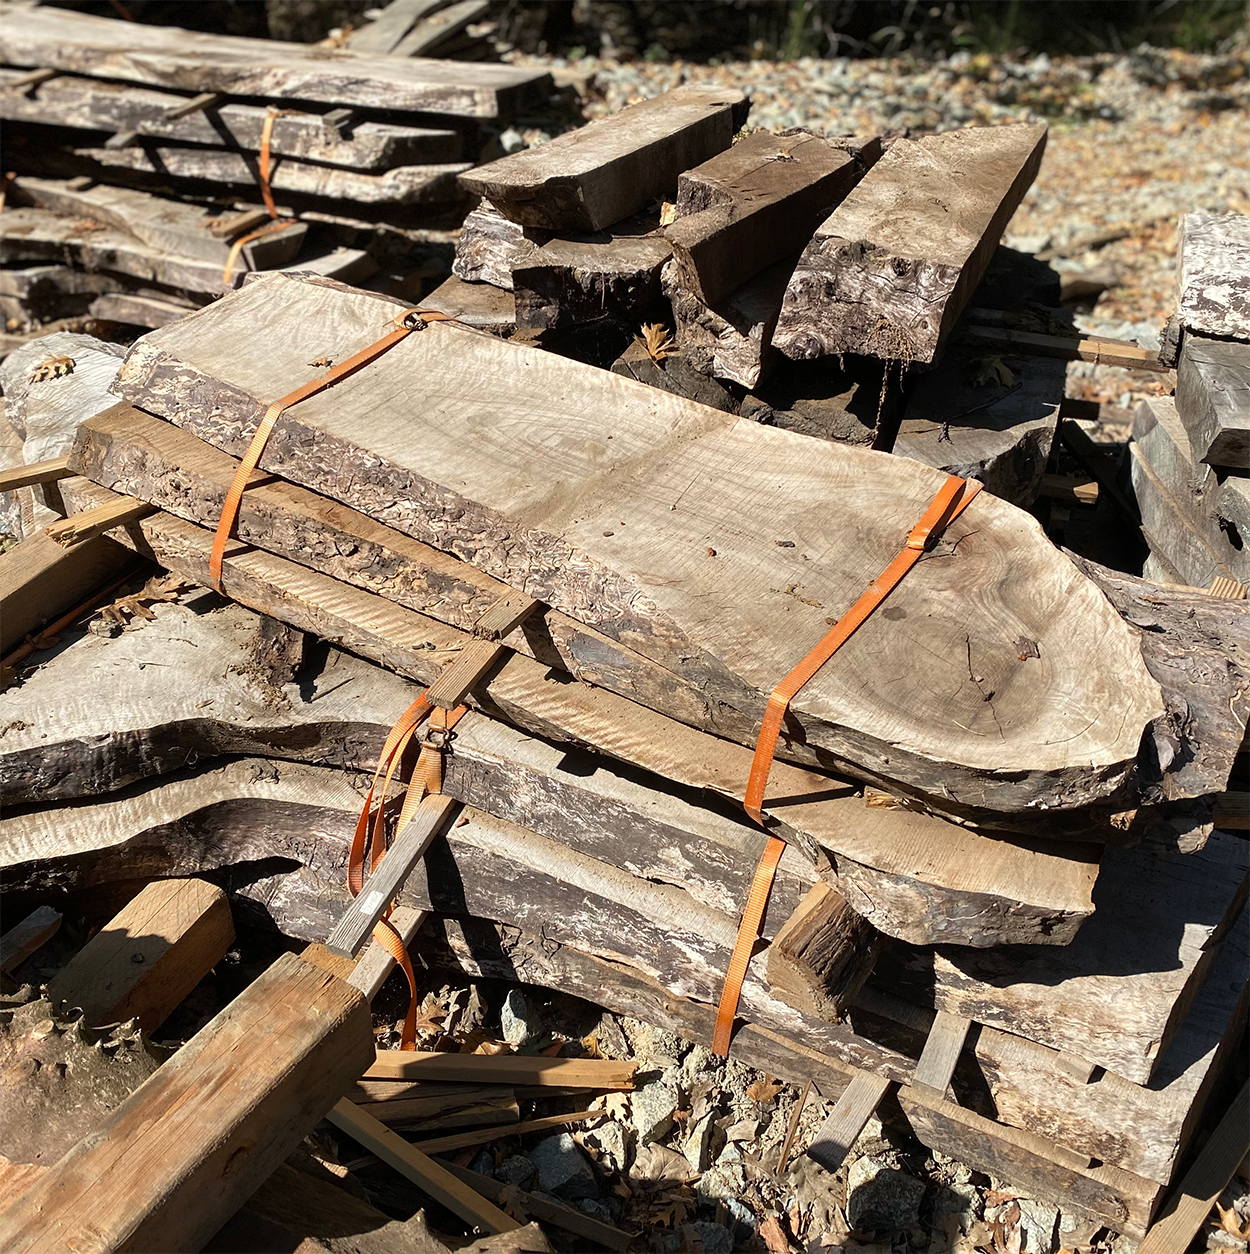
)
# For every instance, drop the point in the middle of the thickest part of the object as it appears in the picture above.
(140, 148)
(1002, 893)
(1191, 451)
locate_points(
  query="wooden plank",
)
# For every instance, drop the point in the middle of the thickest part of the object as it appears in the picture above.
(480, 1136)
(1213, 400)
(376, 962)
(139, 311)
(478, 1104)
(589, 1073)
(941, 1052)
(1185, 1212)
(477, 305)
(380, 889)
(834, 1137)
(152, 954)
(197, 104)
(390, 26)
(671, 373)
(93, 523)
(402, 185)
(891, 269)
(471, 663)
(166, 1169)
(435, 29)
(755, 204)
(19, 942)
(41, 472)
(1067, 348)
(697, 616)
(909, 872)
(1070, 488)
(422, 1170)
(1212, 257)
(822, 954)
(40, 581)
(165, 56)
(1096, 461)
(590, 178)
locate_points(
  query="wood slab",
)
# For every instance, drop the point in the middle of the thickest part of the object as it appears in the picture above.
(402, 185)
(434, 32)
(491, 246)
(390, 26)
(190, 61)
(1213, 400)
(754, 204)
(138, 310)
(853, 403)
(166, 1169)
(1212, 260)
(891, 269)
(90, 104)
(590, 178)
(736, 616)
(913, 874)
(480, 305)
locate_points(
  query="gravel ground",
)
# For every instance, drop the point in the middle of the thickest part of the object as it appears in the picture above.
(1136, 140)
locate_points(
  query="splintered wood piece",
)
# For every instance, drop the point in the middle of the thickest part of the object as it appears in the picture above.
(83, 527)
(548, 1209)
(590, 178)
(907, 872)
(376, 963)
(422, 1170)
(380, 889)
(41, 472)
(834, 1137)
(941, 1052)
(1183, 1214)
(188, 1146)
(822, 955)
(471, 1104)
(734, 618)
(197, 104)
(152, 954)
(462, 1140)
(1213, 400)
(265, 68)
(890, 270)
(754, 204)
(36, 929)
(1212, 264)
(431, 32)
(589, 1073)
(40, 580)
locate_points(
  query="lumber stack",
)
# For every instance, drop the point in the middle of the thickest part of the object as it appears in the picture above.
(1191, 451)
(146, 155)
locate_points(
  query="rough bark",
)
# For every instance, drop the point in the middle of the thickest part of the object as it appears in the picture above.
(851, 403)
(491, 246)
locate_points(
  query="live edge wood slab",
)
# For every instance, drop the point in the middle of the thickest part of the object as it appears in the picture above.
(891, 268)
(718, 548)
(913, 875)
(590, 178)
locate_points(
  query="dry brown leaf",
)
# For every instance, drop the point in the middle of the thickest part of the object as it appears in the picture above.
(991, 369)
(655, 338)
(773, 1236)
(764, 1090)
(52, 368)
(157, 589)
(1230, 1223)
(668, 213)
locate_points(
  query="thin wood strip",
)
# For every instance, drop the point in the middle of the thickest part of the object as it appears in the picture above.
(502, 1069)
(484, 1104)
(1096, 462)
(455, 682)
(420, 1168)
(841, 1130)
(18, 943)
(1070, 488)
(1102, 352)
(377, 962)
(510, 611)
(197, 104)
(480, 1136)
(941, 1051)
(37, 472)
(32, 79)
(363, 915)
(95, 522)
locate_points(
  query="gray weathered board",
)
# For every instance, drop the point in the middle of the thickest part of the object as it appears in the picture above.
(191, 61)
(996, 432)
(90, 104)
(911, 875)
(590, 178)
(402, 185)
(482, 305)
(754, 204)
(890, 270)
(733, 340)
(390, 26)
(491, 246)
(171, 226)
(715, 546)
(1179, 499)
(140, 309)
(1213, 274)
(1213, 400)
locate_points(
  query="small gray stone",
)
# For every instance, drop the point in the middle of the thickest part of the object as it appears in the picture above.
(483, 1163)
(716, 1238)
(514, 1018)
(698, 1143)
(562, 1168)
(651, 1109)
(1038, 1225)
(612, 1142)
(881, 1197)
(516, 1170)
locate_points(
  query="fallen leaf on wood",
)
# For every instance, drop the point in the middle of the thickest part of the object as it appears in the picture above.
(1230, 1223)
(764, 1090)
(52, 368)
(655, 338)
(157, 589)
(992, 369)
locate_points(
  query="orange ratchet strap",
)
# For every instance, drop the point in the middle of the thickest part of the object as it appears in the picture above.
(232, 258)
(427, 779)
(953, 498)
(407, 322)
(265, 164)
